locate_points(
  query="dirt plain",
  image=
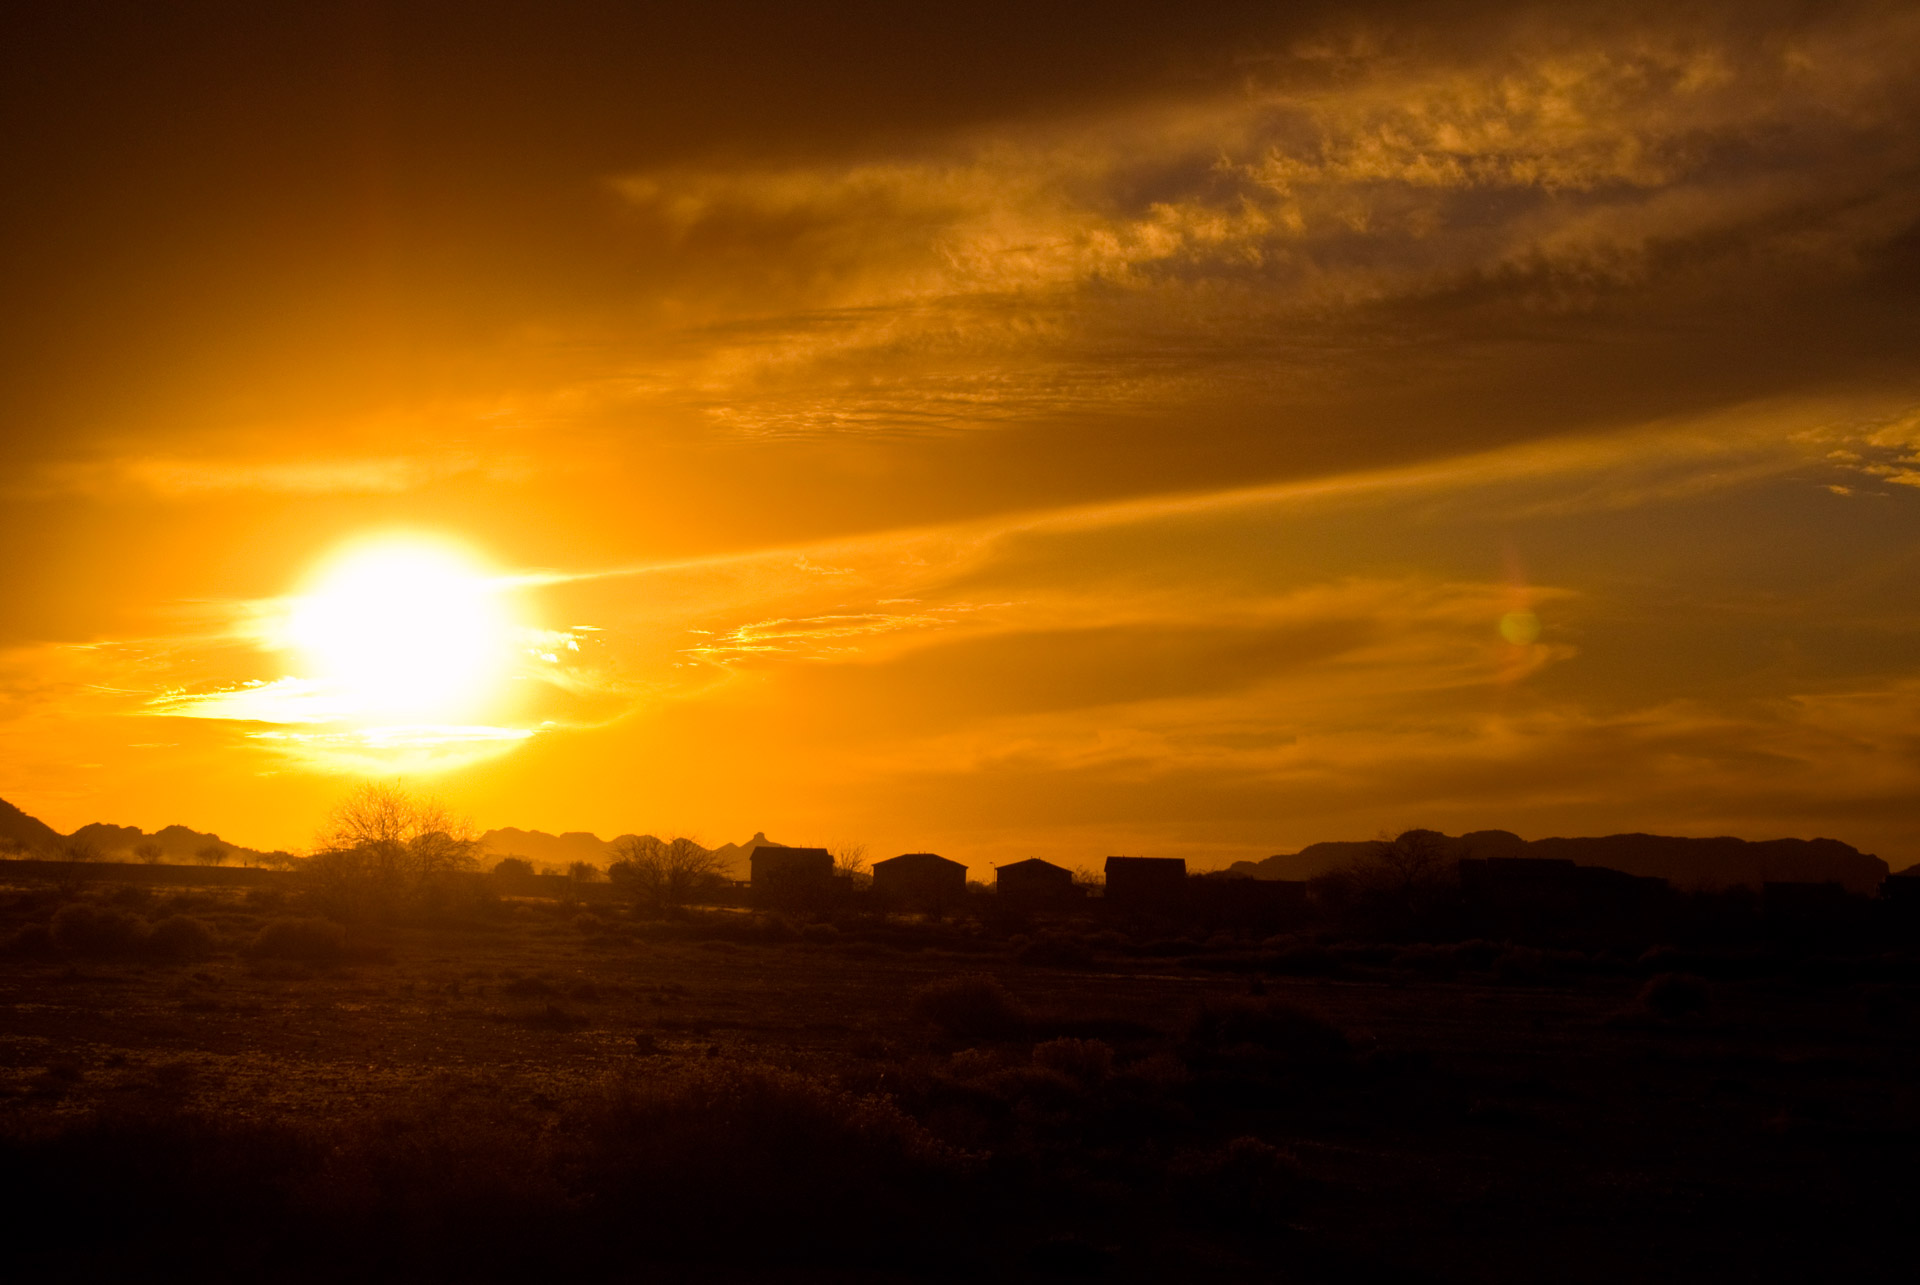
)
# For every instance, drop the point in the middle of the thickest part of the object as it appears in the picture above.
(1491, 1115)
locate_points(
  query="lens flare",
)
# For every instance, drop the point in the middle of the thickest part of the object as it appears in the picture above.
(1520, 627)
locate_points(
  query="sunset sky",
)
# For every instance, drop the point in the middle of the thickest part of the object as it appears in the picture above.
(1024, 429)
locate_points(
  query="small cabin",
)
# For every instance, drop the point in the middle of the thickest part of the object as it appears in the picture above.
(1034, 883)
(1147, 885)
(920, 881)
(1242, 904)
(781, 876)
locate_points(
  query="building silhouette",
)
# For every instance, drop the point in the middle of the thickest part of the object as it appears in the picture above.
(1034, 884)
(1147, 885)
(919, 881)
(794, 877)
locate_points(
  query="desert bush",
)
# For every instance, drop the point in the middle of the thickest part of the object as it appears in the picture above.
(1674, 995)
(1477, 954)
(314, 941)
(183, 938)
(1520, 965)
(90, 930)
(1269, 1024)
(31, 941)
(529, 986)
(1087, 1061)
(1301, 959)
(1246, 1183)
(1056, 950)
(670, 1157)
(971, 1006)
(157, 1170)
(131, 896)
(663, 873)
(1437, 961)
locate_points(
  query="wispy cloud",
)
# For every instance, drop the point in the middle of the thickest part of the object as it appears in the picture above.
(1355, 189)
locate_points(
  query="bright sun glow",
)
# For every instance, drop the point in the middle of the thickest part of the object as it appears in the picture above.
(405, 630)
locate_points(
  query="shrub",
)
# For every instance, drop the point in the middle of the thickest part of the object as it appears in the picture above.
(88, 930)
(1272, 1025)
(1520, 965)
(310, 940)
(180, 937)
(1088, 1061)
(1674, 995)
(1056, 950)
(33, 940)
(671, 1157)
(972, 1006)
(1245, 1183)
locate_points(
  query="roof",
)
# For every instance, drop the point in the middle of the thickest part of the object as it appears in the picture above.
(773, 858)
(1031, 866)
(931, 860)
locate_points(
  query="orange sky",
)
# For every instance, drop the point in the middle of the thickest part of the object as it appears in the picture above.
(998, 432)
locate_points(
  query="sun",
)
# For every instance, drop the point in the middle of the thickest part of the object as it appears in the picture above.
(405, 629)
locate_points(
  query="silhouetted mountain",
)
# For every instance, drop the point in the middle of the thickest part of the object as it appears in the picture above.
(1686, 863)
(21, 831)
(736, 859)
(543, 849)
(562, 850)
(177, 843)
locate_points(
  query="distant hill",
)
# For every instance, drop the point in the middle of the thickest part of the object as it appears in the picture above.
(24, 833)
(543, 849)
(178, 844)
(1686, 863)
(558, 851)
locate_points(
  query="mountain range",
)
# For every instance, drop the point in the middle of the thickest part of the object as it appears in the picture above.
(1685, 863)
(558, 851)
(29, 836)
(25, 835)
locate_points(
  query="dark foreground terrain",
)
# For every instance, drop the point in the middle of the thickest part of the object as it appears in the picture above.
(211, 1083)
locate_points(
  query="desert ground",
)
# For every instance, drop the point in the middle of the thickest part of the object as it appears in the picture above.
(537, 1086)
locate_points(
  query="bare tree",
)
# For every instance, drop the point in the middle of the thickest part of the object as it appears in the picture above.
(583, 872)
(1393, 883)
(149, 852)
(74, 857)
(850, 863)
(383, 844)
(396, 832)
(667, 872)
(211, 854)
